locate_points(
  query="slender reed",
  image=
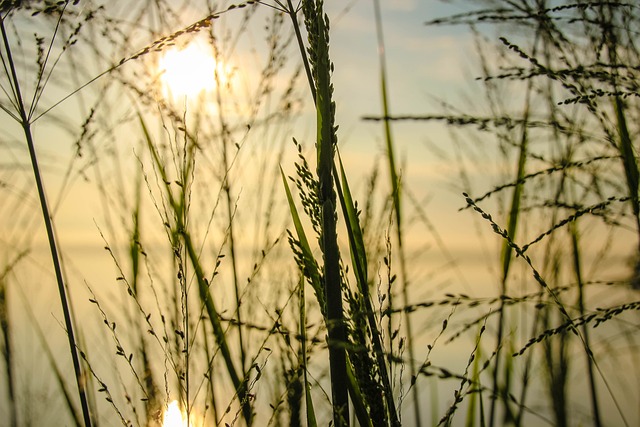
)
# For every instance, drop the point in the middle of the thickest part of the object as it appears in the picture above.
(577, 266)
(396, 196)
(7, 348)
(625, 146)
(25, 123)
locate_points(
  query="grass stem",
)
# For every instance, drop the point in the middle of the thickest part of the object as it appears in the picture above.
(48, 222)
(397, 200)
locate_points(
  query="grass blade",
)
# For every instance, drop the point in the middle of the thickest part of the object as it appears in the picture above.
(397, 206)
(629, 161)
(309, 265)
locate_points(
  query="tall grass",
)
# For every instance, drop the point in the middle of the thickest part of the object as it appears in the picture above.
(228, 284)
(23, 114)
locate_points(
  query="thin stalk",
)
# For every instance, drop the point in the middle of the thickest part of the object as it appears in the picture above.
(507, 255)
(66, 308)
(526, 375)
(305, 61)
(152, 403)
(627, 151)
(224, 132)
(183, 213)
(470, 420)
(507, 250)
(209, 377)
(7, 352)
(397, 199)
(593, 393)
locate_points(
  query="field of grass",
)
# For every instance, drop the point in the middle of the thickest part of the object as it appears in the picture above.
(234, 256)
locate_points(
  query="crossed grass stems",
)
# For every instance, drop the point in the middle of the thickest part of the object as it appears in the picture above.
(360, 368)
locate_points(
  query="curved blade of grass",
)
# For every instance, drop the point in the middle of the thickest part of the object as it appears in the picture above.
(362, 414)
(311, 272)
(311, 415)
(354, 232)
(310, 266)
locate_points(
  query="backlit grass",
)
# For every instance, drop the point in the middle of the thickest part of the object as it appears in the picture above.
(244, 270)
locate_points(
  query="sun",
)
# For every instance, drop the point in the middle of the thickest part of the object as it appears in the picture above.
(173, 416)
(188, 72)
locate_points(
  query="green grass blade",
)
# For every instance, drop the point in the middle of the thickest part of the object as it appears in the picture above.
(577, 267)
(396, 197)
(474, 397)
(354, 232)
(507, 256)
(359, 260)
(309, 266)
(311, 414)
(628, 160)
(310, 271)
(360, 409)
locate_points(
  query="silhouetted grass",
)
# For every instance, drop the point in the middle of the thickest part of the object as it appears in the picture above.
(205, 303)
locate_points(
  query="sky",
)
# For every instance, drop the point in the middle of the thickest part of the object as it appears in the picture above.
(424, 64)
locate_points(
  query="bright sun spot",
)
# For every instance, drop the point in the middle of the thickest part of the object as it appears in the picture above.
(173, 416)
(188, 72)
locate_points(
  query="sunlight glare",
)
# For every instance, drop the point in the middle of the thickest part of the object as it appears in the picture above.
(173, 416)
(188, 72)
